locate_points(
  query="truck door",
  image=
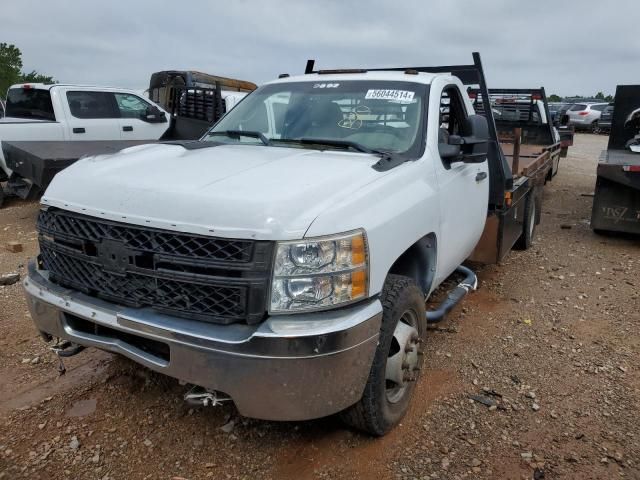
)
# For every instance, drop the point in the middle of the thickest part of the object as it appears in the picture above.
(464, 188)
(91, 115)
(138, 121)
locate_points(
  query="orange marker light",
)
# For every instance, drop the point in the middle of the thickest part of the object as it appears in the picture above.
(357, 250)
(358, 284)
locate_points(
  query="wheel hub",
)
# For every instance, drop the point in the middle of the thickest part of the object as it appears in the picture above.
(403, 362)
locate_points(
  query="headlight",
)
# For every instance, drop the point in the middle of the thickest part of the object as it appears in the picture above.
(319, 273)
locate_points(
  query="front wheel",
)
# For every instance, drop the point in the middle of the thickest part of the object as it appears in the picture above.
(397, 361)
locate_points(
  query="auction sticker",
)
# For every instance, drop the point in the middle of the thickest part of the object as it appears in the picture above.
(401, 95)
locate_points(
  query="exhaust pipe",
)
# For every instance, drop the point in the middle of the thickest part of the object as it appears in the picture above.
(202, 397)
(470, 282)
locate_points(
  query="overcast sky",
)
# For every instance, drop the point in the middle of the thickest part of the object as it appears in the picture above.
(570, 47)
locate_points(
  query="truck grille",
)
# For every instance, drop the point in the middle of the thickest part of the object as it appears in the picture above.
(205, 278)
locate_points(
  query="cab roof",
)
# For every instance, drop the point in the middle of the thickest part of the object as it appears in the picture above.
(383, 75)
(49, 86)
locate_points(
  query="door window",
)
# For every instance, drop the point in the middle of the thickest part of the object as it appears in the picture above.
(452, 112)
(452, 116)
(131, 106)
(85, 104)
(452, 119)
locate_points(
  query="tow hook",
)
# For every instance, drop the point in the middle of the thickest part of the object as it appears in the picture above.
(65, 349)
(202, 397)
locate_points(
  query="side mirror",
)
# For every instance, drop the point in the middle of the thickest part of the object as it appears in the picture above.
(154, 115)
(472, 148)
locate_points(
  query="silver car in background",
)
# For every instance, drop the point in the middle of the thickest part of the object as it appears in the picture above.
(585, 116)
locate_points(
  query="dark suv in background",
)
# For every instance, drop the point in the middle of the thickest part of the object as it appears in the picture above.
(604, 124)
(558, 112)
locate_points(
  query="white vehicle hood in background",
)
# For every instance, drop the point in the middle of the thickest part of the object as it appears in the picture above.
(233, 191)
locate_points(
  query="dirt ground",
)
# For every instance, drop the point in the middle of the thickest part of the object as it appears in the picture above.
(549, 342)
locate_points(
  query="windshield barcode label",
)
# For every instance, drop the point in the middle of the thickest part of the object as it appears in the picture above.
(400, 95)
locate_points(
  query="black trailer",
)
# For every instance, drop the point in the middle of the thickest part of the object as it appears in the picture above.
(194, 99)
(512, 210)
(616, 202)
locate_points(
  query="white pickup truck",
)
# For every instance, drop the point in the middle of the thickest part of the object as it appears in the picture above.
(283, 261)
(36, 111)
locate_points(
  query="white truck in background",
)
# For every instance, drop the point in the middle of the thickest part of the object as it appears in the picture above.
(59, 112)
(43, 122)
(283, 261)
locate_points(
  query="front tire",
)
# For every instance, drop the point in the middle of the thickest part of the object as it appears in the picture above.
(397, 361)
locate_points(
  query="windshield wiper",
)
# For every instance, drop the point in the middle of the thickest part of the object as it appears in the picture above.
(388, 160)
(242, 133)
(330, 142)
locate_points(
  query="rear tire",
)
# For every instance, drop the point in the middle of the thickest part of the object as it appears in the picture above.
(529, 225)
(390, 385)
(595, 128)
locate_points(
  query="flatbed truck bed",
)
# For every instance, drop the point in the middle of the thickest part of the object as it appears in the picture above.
(530, 153)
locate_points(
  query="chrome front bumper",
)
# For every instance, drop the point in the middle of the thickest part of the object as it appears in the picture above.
(293, 367)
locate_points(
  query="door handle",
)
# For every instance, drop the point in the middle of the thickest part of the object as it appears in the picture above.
(78, 130)
(127, 128)
(481, 176)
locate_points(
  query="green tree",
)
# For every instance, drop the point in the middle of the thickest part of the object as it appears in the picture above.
(35, 77)
(10, 66)
(11, 69)
(600, 96)
(554, 98)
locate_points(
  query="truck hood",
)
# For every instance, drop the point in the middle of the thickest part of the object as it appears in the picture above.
(233, 191)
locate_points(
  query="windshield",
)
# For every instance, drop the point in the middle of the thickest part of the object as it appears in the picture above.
(29, 103)
(371, 115)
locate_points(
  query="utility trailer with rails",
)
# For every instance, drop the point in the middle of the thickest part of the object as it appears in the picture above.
(616, 201)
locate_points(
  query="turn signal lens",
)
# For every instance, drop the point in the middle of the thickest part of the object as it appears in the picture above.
(358, 284)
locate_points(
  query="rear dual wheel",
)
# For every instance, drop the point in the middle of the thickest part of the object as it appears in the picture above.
(530, 221)
(397, 361)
